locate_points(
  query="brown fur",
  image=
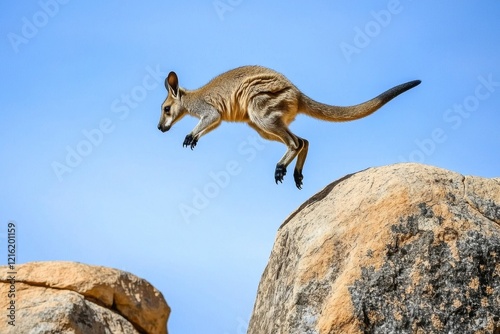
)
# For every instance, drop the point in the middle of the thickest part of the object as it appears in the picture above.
(264, 99)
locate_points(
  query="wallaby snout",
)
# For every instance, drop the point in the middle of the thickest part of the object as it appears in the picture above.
(163, 128)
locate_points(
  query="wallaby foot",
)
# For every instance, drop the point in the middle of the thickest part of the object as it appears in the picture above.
(279, 173)
(190, 141)
(298, 177)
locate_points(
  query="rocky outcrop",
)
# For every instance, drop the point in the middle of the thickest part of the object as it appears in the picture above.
(405, 248)
(68, 297)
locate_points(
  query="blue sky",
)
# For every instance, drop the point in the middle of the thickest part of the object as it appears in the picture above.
(87, 177)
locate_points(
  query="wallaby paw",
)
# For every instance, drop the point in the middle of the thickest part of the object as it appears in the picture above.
(298, 177)
(190, 141)
(279, 173)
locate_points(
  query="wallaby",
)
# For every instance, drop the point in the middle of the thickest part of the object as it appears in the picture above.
(264, 99)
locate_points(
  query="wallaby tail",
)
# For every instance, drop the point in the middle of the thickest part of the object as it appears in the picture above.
(343, 114)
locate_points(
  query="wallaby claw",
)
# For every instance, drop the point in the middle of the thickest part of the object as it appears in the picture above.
(190, 141)
(279, 173)
(298, 177)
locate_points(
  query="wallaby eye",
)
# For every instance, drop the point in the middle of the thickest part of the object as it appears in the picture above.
(166, 110)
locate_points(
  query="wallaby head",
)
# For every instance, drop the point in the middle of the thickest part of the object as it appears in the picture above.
(172, 109)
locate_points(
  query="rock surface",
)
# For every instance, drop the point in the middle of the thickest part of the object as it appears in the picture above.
(405, 248)
(69, 297)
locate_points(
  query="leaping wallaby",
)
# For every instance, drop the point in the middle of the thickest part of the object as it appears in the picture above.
(264, 99)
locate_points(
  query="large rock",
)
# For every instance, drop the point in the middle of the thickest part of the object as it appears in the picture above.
(68, 297)
(405, 248)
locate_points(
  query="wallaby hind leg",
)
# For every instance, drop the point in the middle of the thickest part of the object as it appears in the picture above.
(301, 159)
(295, 147)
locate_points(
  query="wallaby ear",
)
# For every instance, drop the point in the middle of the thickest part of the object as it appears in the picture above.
(172, 84)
